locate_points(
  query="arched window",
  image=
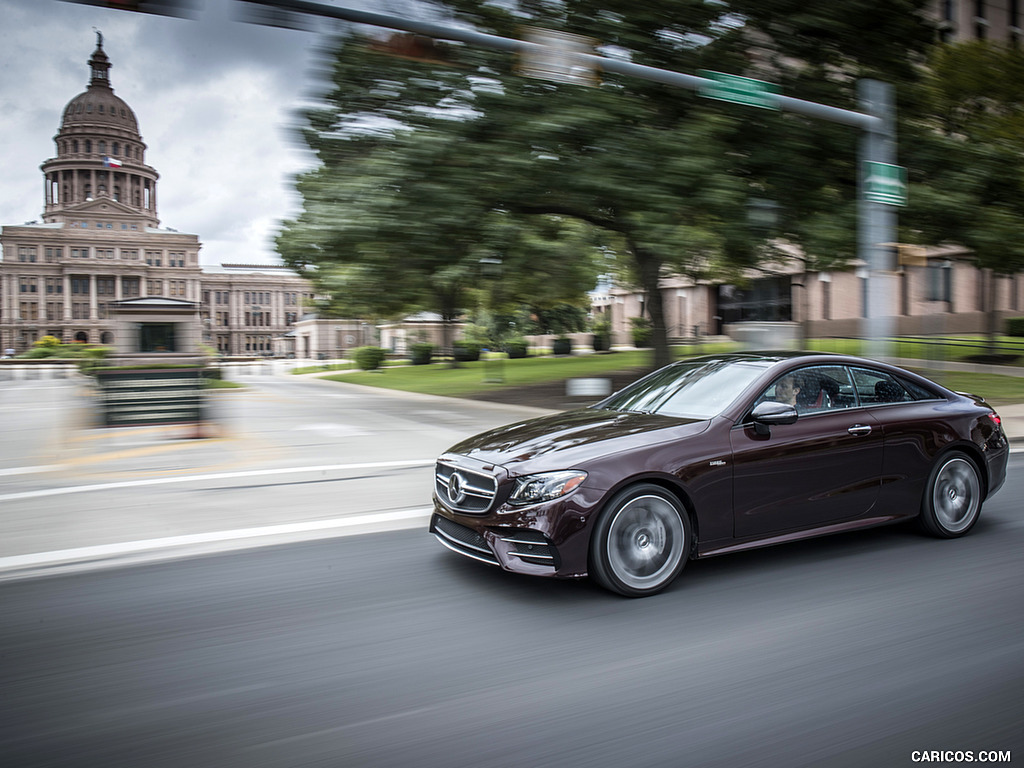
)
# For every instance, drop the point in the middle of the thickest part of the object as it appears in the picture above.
(88, 146)
(115, 149)
(74, 145)
(82, 336)
(106, 337)
(102, 148)
(117, 193)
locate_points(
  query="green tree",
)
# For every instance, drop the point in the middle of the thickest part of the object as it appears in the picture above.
(965, 151)
(422, 157)
(396, 217)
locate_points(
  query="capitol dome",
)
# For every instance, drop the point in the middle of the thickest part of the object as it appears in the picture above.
(98, 107)
(100, 152)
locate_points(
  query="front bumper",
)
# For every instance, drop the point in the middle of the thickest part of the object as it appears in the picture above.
(550, 539)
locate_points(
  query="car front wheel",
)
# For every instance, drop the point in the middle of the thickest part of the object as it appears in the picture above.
(641, 541)
(953, 496)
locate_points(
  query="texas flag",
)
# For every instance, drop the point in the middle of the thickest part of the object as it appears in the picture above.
(111, 162)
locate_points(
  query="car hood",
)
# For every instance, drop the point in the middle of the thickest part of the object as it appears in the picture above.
(572, 439)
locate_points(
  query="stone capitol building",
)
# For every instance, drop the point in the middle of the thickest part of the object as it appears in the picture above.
(100, 241)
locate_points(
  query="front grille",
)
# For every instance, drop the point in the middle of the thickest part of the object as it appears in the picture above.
(461, 539)
(463, 490)
(531, 547)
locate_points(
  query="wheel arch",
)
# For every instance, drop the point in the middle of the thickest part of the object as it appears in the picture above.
(974, 453)
(671, 485)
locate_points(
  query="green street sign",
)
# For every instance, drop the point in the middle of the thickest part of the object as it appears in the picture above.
(885, 183)
(739, 90)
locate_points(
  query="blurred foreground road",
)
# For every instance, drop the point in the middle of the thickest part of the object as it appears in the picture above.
(385, 649)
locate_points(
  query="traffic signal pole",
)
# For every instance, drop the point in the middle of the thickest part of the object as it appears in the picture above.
(876, 221)
(876, 215)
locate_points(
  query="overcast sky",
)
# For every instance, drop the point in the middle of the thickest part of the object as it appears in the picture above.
(215, 100)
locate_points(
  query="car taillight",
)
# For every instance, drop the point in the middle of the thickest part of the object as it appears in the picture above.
(995, 417)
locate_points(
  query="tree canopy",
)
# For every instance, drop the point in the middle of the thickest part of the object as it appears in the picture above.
(434, 157)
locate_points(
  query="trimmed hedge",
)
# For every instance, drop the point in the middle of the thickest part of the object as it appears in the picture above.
(1015, 326)
(516, 349)
(643, 332)
(369, 358)
(465, 352)
(421, 353)
(561, 346)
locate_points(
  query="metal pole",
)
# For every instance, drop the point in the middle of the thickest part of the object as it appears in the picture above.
(603, 63)
(876, 222)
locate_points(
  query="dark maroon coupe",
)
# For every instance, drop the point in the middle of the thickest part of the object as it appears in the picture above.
(715, 455)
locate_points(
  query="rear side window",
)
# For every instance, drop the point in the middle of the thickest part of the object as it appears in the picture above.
(917, 391)
(878, 388)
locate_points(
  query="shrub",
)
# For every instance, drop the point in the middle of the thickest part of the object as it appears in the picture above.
(50, 342)
(1015, 326)
(476, 335)
(465, 351)
(642, 331)
(516, 348)
(561, 346)
(421, 353)
(38, 353)
(369, 358)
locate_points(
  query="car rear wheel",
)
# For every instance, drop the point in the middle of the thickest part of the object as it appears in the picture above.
(641, 541)
(953, 496)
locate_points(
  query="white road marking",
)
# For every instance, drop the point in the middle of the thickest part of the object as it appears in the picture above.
(408, 517)
(332, 429)
(212, 476)
(29, 470)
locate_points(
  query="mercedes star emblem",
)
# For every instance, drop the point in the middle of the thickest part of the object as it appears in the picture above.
(455, 492)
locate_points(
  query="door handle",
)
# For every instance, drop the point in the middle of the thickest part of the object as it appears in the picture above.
(859, 430)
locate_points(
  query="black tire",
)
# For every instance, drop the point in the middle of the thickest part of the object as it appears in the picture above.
(953, 496)
(641, 541)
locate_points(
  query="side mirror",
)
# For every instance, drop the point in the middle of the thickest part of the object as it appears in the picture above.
(768, 414)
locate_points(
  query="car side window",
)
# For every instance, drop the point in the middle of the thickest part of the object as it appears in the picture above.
(814, 389)
(917, 392)
(878, 388)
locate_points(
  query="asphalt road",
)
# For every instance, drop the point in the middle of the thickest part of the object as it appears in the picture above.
(387, 650)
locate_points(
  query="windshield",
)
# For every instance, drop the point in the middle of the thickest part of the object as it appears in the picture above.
(696, 390)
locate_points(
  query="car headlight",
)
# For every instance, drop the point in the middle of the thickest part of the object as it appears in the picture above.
(546, 486)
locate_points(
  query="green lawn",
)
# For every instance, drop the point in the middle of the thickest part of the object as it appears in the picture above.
(958, 348)
(470, 378)
(997, 390)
